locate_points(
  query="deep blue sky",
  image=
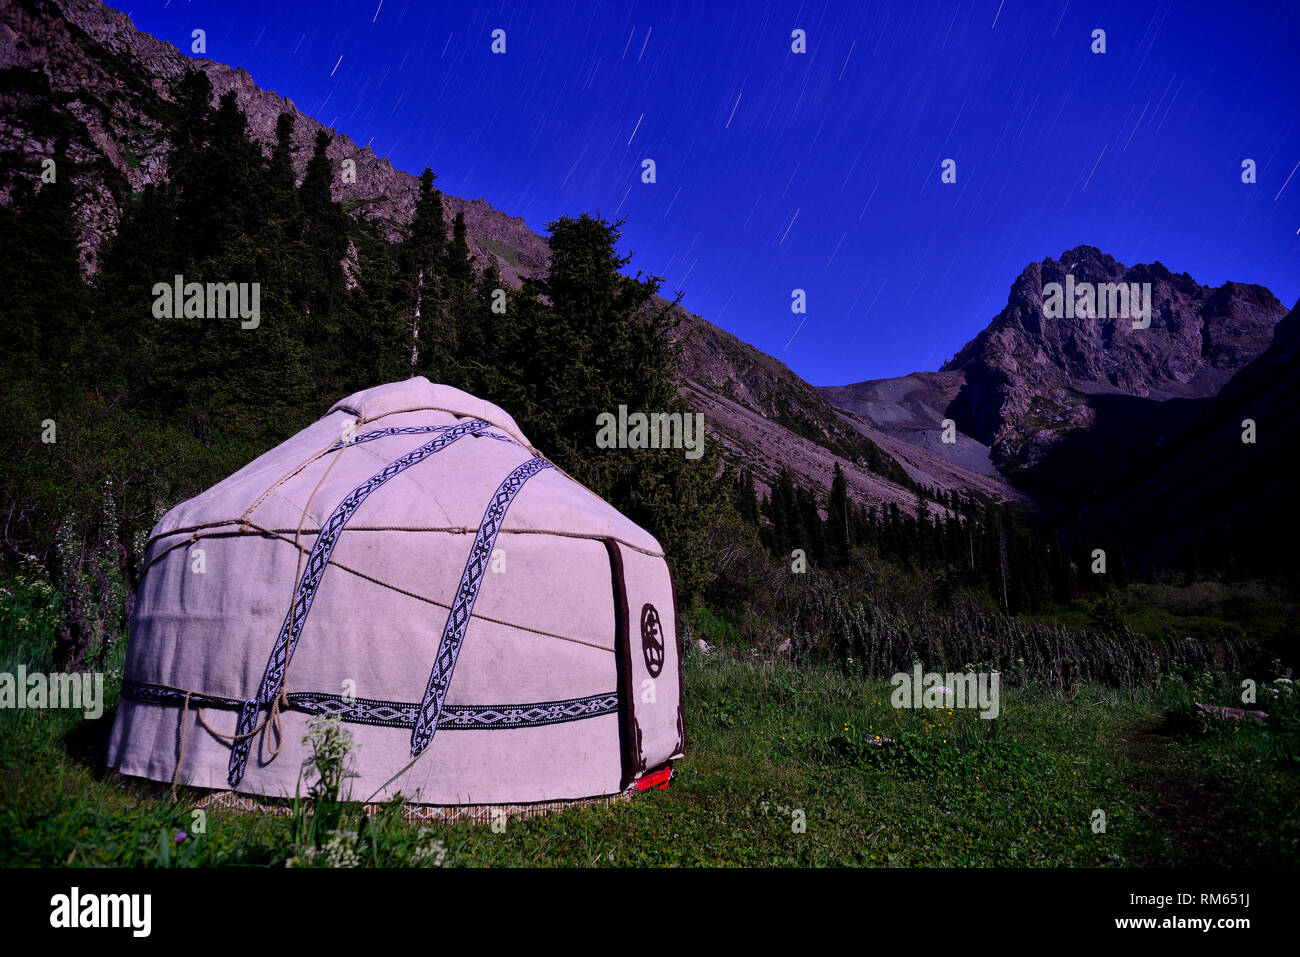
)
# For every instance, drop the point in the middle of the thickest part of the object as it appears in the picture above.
(821, 171)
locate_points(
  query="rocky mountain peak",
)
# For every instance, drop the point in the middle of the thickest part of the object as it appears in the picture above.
(1073, 328)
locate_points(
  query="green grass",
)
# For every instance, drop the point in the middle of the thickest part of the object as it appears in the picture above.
(1149, 620)
(350, 205)
(1207, 610)
(770, 748)
(505, 252)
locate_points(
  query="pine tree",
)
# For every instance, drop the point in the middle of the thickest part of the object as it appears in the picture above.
(186, 171)
(786, 531)
(321, 287)
(141, 254)
(837, 517)
(458, 314)
(458, 265)
(487, 350)
(284, 197)
(603, 343)
(47, 328)
(748, 505)
(421, 258)
(315, 195)
(814, 529)
(924, 553)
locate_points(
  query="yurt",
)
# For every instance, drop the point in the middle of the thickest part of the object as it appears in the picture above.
(488, 630)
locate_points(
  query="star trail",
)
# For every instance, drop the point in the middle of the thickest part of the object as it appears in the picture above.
(777, 170)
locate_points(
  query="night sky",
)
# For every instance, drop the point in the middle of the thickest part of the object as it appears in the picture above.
(821, 171)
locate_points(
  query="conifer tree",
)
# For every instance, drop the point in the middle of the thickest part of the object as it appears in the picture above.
(458, 266)
(812, 527)
(186, 173)
(487, 353)
(458, 313)
(421, 259)
(748, 504)
(49, 302)
(837, 517)
(141, 254)
(786, 531)
(283, 199)
(321, 287)
(315, 196)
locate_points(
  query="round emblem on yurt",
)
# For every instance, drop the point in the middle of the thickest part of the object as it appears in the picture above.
(652, 641)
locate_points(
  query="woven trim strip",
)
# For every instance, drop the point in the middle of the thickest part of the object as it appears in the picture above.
(317, 562)
(403, 714)
(413, 430)
(161, 694)
(453, 634)
(400, 714)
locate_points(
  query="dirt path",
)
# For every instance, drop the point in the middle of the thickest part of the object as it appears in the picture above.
(1189, 818)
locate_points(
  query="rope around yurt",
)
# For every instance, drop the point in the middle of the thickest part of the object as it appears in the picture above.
(282, 698)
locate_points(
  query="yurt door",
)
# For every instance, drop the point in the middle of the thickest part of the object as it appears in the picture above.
(649, 661)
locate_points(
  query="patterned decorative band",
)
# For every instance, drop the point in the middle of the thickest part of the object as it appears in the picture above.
(317, 564)
(400, 714)
(484, 432)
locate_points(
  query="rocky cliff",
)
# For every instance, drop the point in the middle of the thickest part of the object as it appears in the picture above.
(81, 68)
(1029, 380)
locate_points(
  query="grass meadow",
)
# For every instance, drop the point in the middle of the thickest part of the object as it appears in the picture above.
(786, 765)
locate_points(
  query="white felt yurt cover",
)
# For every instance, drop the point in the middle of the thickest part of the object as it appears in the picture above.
(408, 563)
